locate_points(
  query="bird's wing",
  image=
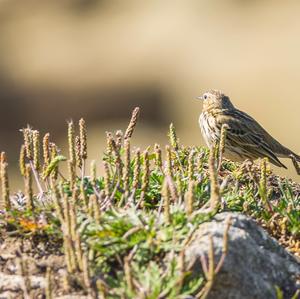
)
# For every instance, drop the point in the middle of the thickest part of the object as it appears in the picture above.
(245, 133)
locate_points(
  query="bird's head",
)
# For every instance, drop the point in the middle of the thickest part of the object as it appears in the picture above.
(215, 99)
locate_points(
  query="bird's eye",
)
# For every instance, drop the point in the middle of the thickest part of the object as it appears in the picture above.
(205, 97)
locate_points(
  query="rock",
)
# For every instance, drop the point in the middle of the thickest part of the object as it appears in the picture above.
(255, 262)
(15, 282)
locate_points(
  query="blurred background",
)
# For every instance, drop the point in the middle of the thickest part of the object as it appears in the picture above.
(62, 60)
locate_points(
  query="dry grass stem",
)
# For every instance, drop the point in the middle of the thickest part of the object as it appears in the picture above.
(119, 139)
(49, 289)
(112, 145)
(173, 137)
(222, 144)
(225, 245)
(132, 123)
(214, 185)
(146, 174)
(158, 158)
(28, 188)
(191, 165)
(172, 188)
(71, 142)
(46, 149)
(126, 174)
(136, 169)
(93, 173)
(86, 275)
(78, 152)
(181, 270)
(72, 174)
(169, 161)
(189, 198)
(36, 149)
(83, 139)
(106, 178)
(27, 134)
(22, 160)
(53, 159)
(4, 182)
(210, 274)
(83, 145)
(128, 274)
(56, 199)
(165, 193)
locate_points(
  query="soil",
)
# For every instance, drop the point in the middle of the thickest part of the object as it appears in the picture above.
(37, 255)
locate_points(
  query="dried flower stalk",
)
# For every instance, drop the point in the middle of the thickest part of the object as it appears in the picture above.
(4, 182)
(46, 149)
(132, 123)
(168, 161)
(126, 174)
(191, 165)
(22, 160)
(106, 178)
(173, 137)
(128, 274)
(146, 175)
(190, 198)
(215, 191)
(137, 169)
(158, 159)
(71, 142)
(36, 149)
(83, 139)
(28, 188)
(77, 152)
(222, 144)
(165, 192)
(116, 151)
(119, 139)
(27, 134)
(49, 288)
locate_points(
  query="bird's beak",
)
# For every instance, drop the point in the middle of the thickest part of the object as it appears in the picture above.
(199, 98)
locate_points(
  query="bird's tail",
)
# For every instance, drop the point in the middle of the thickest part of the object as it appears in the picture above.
(295, 159)
(287, 153)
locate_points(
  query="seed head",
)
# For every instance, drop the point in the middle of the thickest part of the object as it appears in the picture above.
(173, 137)
(83, 139)
(77, 152)
(46, 152)
(71, 141)
(36, 149)
(132, 123)
(22, 160)
(137, 169)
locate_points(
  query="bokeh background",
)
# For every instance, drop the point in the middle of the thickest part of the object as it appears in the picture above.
(99, 59)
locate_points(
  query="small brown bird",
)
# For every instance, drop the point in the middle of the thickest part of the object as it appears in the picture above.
(245, 138)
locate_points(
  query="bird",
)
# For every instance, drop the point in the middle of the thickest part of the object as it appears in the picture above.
(246, 139)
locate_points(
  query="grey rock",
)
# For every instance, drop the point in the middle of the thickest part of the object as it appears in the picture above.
(255, 262)
(15, 282)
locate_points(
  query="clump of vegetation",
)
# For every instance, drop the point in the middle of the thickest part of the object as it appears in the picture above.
(124, 234)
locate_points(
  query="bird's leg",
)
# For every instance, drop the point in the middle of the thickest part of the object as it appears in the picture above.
(295, 164)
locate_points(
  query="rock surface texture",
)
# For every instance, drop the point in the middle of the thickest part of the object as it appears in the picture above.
(255, 262)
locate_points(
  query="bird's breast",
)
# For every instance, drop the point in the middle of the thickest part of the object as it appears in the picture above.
(209, 129)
